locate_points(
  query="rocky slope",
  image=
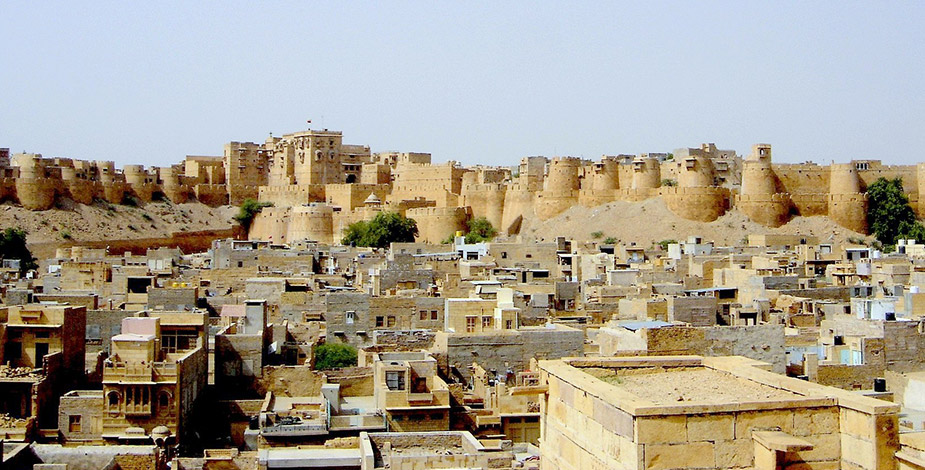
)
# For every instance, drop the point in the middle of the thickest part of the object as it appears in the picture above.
(101, 221)
(650, 221)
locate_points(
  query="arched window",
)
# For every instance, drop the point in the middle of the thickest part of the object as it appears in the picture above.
(113, 400)
(163, 401)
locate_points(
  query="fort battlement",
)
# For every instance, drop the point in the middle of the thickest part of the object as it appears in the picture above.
(314, 166)
(436, 224)
(703, 204)
(770, 210)
(552, 203)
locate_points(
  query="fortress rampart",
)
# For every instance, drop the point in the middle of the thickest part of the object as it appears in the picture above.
(318, 185)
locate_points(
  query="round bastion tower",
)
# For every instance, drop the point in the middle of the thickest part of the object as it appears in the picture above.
(760, 199)
(600, 183)
(847, 204)
(696, 197)
(78, 187)
(139, 182)
(647, 177)
(171, 185)
(113, 190)
(34, 190)
(561, 187)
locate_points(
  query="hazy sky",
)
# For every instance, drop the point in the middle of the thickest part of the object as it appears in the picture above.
(477, 82)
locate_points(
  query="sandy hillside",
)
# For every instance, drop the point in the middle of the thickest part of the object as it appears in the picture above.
(650, 221)
(100, 221)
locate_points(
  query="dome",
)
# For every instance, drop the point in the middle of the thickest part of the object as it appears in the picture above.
(160, 431)
(372, 200)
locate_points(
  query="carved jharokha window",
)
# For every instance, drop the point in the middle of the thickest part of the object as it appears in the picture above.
(137, 399)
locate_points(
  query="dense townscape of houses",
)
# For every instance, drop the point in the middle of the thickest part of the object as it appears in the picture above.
(783, 351)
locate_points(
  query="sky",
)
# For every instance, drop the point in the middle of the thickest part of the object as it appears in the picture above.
(476, 82)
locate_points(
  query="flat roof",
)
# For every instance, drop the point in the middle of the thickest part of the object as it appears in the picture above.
(717, 385)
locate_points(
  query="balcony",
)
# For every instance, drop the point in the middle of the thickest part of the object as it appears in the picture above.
(127, 372)
(141, 373)
(487, 420)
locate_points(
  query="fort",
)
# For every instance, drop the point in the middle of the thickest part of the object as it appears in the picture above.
(318, 185)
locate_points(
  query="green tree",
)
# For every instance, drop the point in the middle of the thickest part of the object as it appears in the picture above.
(480, 230)
(385, 228)
(248, 211)
(664, 244)
(334, 356)
(13, 246)
(611, 241)
(889, 215)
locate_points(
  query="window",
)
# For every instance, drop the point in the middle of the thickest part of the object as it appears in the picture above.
(470, 324)
(395, 380)
(433, 314)
(486, 323)
(113, 400)
(423, 314)
(380, 321)
(41, 334)
(351, 317)
(437, 416)
(13, 351)
(503, 255)
(419, 385)
(391, 321)
(178, 340)
(73, 423)
(509, 324)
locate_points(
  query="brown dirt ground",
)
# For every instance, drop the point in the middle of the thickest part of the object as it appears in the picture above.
(101, 221)
(650, 221)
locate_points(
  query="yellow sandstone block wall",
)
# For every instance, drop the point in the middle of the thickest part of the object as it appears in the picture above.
(581, 430)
